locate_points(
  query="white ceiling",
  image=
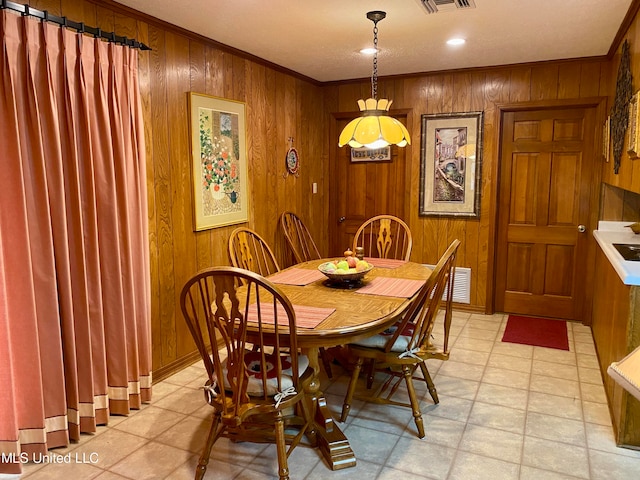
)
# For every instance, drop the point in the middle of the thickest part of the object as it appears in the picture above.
(322, 39)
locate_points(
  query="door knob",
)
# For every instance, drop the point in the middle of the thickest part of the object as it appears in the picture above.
(582, 228)
(342, 219)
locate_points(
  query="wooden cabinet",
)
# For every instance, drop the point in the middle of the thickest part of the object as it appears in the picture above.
(616, 331)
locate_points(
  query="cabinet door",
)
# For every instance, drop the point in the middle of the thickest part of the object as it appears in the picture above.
(616, 332)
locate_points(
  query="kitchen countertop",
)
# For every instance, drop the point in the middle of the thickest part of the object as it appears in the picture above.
(609, 233)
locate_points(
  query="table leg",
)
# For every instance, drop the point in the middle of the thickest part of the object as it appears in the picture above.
(326, 435)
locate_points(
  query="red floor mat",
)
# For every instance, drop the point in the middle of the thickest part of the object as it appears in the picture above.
(540, 332)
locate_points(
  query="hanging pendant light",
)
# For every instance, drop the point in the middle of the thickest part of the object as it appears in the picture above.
(374, 129)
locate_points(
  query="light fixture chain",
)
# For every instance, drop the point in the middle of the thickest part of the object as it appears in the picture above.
(374, 77)
(374, 129)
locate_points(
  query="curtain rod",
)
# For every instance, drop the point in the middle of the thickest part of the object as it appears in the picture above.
(26, 10)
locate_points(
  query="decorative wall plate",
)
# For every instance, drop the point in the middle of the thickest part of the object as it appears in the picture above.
(293, 161)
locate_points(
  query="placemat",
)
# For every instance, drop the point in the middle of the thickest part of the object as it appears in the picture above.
(385, 262)
(297, 276)
(306, 317)
(392, 287)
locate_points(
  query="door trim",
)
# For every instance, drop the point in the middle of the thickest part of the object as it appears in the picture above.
(599, 103)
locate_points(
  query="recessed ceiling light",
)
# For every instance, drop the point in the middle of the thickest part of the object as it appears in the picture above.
(368, 51)
(456, 41)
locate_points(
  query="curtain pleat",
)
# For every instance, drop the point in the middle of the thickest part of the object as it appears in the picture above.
(74, 262)
(41, 160)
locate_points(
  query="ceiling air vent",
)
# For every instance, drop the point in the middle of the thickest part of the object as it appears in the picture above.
(434, 6)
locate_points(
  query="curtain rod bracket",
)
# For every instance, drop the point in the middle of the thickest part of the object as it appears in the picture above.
(26, 11)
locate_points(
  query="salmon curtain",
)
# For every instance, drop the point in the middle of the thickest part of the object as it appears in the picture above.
(75, 341)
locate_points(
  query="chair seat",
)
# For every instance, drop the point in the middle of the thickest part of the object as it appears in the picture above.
(380, 340)
(252, 362)
(403, 348)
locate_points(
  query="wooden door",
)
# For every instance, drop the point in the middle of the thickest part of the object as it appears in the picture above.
(543, 209)
(360, 190)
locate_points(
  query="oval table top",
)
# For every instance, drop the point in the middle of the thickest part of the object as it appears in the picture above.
(356, 315)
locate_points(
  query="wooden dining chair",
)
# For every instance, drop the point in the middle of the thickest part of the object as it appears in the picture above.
(400, 350)
(254, 393)
(304, 249)
(298, 238)
(384, 236)
(248, 250)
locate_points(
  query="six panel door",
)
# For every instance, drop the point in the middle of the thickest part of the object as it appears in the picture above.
(543, 207)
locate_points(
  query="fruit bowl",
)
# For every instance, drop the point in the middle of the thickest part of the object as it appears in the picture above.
(348, 277)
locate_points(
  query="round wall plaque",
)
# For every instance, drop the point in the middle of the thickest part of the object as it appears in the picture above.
(293, 161)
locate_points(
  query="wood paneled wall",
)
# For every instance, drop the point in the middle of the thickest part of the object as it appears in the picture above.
(279, 106)
(619, 205)
(620, 191)
(628, 177)
(473, 90)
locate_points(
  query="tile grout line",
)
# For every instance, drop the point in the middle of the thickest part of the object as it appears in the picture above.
(457, 450)
(475, 397)
(584, 422)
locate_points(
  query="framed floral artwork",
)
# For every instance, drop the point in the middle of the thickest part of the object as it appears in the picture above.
(451, 164)
(219, 161)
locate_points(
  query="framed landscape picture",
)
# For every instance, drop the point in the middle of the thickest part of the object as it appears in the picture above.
(365, 154)
(451, 164)
(219, 161)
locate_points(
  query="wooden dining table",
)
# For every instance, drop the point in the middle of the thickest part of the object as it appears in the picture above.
(354, 315)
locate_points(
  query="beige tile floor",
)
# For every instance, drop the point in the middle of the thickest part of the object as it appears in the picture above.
(506, 411)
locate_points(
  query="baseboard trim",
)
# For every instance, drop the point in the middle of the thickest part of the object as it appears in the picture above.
(169, 369)
(468, 308)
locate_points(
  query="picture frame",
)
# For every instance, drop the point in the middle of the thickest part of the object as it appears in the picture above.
(606, 138)
(451, 164)
(365, 154)
(632, 138)
(219, 161)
